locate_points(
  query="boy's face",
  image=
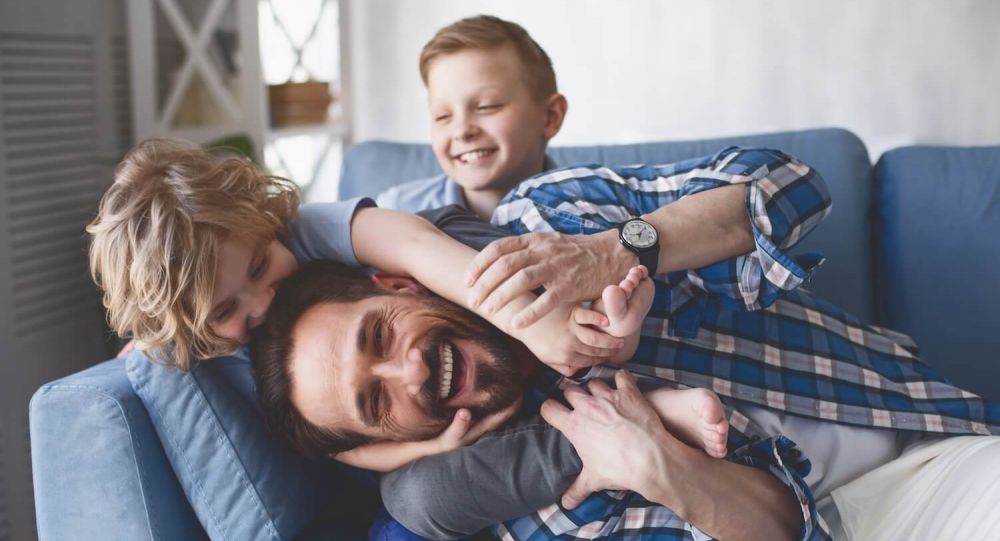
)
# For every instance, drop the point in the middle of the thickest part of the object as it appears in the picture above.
(246, 276)
(487, 130)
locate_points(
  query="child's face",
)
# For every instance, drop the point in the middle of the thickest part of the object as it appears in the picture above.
(248, 271)
(487, 130)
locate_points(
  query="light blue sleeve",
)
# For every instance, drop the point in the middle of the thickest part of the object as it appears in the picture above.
(323, 231)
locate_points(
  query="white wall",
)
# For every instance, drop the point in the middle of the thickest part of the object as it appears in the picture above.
(893, 71)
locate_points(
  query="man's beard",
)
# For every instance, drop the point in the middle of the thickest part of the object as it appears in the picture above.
(502, 379)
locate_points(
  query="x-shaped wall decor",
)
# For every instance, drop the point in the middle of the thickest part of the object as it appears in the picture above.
(298, 48)
(197, 58)
(242, 112)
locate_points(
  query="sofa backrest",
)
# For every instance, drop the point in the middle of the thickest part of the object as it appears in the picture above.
(937, 234)
(838, 155)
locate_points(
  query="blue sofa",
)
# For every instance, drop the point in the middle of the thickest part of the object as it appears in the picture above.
(131, 450)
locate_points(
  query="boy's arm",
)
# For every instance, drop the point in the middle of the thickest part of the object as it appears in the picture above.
(357, 233)
(407, 244)
(323, 231)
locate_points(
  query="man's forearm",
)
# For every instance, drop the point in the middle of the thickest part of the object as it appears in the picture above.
(696, 231)
(725, 500)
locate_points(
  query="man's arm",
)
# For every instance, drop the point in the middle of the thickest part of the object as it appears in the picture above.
(726, 219)
(506, 474)
(624, 446)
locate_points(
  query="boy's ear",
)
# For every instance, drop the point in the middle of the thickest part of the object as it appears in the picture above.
(555, 112)
(396, 283)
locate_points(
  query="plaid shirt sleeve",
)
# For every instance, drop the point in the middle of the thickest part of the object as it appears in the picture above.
(626, 516)
(785, 200)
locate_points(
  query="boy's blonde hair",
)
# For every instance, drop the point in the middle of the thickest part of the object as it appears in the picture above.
(487, 32)
(155, 241)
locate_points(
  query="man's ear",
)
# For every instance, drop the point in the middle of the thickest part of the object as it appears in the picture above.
(399, 284)
(555, 112)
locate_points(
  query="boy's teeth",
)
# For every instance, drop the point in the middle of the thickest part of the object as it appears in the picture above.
(473, 155)
(447, 364)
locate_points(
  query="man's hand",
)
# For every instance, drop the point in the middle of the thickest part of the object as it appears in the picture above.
(617, 434)
(571, 268)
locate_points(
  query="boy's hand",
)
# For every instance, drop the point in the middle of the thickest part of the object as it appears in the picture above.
(572, 268)
(386, 456)
(568, 339)
(462, 431)
(126, 349)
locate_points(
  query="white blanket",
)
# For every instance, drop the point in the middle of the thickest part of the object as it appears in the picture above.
(936, 490)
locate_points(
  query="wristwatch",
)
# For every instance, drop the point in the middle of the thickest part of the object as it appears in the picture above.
(639, 236)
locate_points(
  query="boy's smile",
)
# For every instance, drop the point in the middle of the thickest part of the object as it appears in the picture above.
(488, 131)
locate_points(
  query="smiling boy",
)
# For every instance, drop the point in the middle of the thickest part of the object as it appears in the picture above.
(494, 107)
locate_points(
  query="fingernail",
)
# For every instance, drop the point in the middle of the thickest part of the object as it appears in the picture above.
(464, 415)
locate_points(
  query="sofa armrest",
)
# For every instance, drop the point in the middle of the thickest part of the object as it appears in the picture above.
(99, 469)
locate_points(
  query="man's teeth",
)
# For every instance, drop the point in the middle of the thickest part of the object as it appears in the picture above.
(473, 156)
(447, 365)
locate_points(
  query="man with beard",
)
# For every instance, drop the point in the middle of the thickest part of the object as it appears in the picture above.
(345, 359)
(323, 367)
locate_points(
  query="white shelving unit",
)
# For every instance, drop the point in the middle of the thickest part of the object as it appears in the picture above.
(200, 70)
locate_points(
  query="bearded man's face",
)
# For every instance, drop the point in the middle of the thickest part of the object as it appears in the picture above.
(398, 366)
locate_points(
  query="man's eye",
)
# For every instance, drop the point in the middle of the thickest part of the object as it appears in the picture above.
(379, 404)
(378, 342)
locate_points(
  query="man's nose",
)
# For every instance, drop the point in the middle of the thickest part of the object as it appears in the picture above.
(407, 369)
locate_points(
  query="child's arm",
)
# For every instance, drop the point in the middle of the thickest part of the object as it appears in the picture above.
(407, 244)
(386, 456)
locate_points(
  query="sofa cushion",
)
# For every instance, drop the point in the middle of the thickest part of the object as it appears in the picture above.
(839, 156)
(99, 470)
(241, 484)
(938, 245)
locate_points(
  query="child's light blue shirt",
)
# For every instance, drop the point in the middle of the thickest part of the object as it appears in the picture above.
(323, 231)
(426, 193)
(429, 193)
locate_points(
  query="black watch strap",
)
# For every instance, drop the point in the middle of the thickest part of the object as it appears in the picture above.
(650, 258)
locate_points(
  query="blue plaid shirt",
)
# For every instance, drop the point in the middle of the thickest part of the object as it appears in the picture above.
(742, 329)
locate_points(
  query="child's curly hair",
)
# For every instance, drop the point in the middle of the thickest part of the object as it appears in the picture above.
(155, 241)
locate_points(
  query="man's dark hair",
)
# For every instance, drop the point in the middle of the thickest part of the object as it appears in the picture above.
(271, 348)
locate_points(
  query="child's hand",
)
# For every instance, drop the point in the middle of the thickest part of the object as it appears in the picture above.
(462, 432)
(126, 349)
(623, 307)
(568, 340)
(385, 456)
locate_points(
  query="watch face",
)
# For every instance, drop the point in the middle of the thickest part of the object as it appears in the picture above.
(639, 234)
